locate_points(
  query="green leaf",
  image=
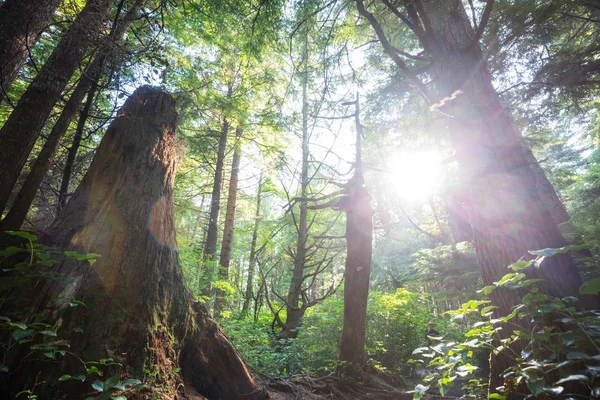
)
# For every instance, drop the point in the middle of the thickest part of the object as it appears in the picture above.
(20, 334)
(9, 251)
(48, 333)
(119, 398)
(421, 389)
(98, 386)
(582, 378)
(24, 235)
(536, 386)
(496, 396)
(547, 252)
(19, 325)
(487, 290)
(112, 381)
(64, 378)
(590, 287)
(520, 265)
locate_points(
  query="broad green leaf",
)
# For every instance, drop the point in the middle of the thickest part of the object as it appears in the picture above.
(536, 386)
(590, 287)
(21, 334)
(24, 235)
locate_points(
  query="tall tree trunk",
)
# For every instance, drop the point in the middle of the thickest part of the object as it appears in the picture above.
(210, 247)
(63, 194)
(23, 200)
(359, 239)
(252, 259)
(506, 214)
(227, 243)
(21, 24)
(20, 131)
(295, 312)
(138, 310)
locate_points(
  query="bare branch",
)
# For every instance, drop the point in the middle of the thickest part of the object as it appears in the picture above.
(485, 17)
(389, 49)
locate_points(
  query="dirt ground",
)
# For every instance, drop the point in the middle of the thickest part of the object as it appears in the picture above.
(374, 385)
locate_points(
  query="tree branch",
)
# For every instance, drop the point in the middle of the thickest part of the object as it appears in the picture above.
(489, 5)
(388, 48)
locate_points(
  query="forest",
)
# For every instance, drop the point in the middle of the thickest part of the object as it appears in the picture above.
(299, 199)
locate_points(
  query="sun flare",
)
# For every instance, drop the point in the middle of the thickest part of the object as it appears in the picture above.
(414, 176)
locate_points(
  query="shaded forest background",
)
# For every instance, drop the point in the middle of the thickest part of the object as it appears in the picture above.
(473, 125)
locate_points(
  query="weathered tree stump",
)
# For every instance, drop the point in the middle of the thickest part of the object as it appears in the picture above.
(138, 310)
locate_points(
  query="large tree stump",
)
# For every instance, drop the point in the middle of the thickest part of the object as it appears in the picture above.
(138, 310)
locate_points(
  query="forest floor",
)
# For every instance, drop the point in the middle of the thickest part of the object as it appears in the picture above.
(374, 385)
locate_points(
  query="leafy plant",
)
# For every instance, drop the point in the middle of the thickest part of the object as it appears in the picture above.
(556, 356)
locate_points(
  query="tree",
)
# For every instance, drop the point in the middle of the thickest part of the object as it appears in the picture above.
(21, 24)
(137, 307)
(506, 214)
(229, 227)
(212, 232)
(20, 131)
(252, 257)
(359, 239)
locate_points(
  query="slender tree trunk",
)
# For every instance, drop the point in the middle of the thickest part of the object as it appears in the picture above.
(506, 214)
(21, 24)
(227, 244)
(16, 216)
(20, 131)
(210, 248)
(138, 310)
(359, 239)
(63, 194)
(252, 259)
(295, 312)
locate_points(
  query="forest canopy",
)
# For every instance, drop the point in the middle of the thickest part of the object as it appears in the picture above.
(315, 199)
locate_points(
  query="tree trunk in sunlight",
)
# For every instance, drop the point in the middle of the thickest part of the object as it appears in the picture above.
(252, 260)
(21, 24)
(359, 239)
(138, 310)
(507, 215)
(21, 130)
(212, 232)
(357, 275)
(227, 245)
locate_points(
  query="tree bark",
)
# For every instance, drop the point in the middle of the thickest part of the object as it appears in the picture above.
(252, 259)
(227, 243)
(210, 248)
(359, 239)
(546, 191)
(20, 131)
(21, 24)
(138, 310)
(23, 200)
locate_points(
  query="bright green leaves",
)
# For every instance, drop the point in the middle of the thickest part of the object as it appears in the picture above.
(590, 287)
